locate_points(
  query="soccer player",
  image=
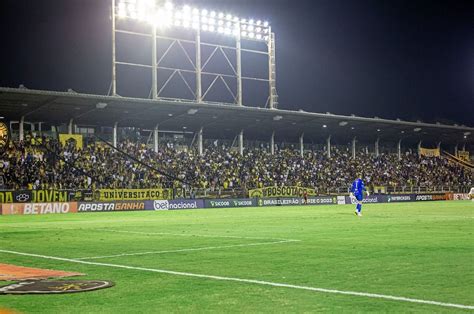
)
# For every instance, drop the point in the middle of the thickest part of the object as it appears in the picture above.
(305, 197)
(357, 193)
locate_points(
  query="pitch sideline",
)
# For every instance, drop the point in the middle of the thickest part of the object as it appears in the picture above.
(251, 281)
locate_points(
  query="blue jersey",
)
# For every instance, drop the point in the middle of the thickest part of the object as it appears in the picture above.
(358, 187)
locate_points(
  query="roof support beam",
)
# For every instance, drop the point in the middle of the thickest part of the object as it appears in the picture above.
(354, 148)
(302, 145)
(241, 142)
(114, 135)
(22, 128)
(377, 147)
(399, 149)
(155, 139)
(456, 150)
(328, 143)
(200, 141)
(69, 127)
(272, 143)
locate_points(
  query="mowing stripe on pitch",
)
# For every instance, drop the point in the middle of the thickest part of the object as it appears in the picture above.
(251, 281)
(187, 250)
(192, 235)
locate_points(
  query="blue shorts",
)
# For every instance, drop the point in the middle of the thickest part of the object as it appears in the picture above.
(359, 197)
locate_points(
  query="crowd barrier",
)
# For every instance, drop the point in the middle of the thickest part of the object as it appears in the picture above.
(181, 204)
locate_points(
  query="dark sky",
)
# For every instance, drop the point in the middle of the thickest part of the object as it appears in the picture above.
(408, 59)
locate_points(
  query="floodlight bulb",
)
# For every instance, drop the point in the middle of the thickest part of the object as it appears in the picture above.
(250, 28)
(195, 11)
(221, 22)
(251, 35)
(221, 15)
(205, 27)
(227, 31)
(228, 23)
(220, 29)
(229, 16)
(265, 30)
(212, 28)
(251, 21)
(213, 14)
(186, 8)
(236, 19)
(168, 6)
(265, 24)
(266, 38)
(204, 12)
(258, 36)
(259, 22)
(204, 19)
(211, 21)
(243, 21)
(186, 24)
(258, 29)
(244, 27)
(244, 34)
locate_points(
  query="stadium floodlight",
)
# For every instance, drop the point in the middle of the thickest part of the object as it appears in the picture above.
(167, 15)
(164, 14)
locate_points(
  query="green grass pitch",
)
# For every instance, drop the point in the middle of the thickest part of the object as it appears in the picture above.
(415, 250)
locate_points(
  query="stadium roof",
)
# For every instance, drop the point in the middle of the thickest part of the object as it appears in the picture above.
(218, 120)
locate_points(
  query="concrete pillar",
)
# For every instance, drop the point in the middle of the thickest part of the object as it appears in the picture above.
(22, 128)
(241, 142)
(114, 135)
(69, 127)
(328, 143)
(399, 149)
(354, 148)
(272, 143)
(40, 130)
(419, 148)
(439, 146)
(200, 141)
(155, 139)
(456, 150)
(302, 145)
(377, 147)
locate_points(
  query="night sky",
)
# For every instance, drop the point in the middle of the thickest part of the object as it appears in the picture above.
(394, 59)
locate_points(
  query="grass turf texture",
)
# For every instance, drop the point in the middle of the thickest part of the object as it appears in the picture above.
(415, 250)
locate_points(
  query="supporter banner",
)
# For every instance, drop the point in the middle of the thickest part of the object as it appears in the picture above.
(112, 206)
(134, 194)
(281, 191)
(319, 200)
(177, 204)
(34, 196)
(427, 152)
(38, 208)
(221, 203)
(460, 197)
(463, 155)
(74, 138)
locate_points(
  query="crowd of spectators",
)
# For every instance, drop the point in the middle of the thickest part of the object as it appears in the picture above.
(46, 164)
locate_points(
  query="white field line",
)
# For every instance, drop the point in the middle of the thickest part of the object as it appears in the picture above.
(250, 281)
(193, 235)
(187, 250)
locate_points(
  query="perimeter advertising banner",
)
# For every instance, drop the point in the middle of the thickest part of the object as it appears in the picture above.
(133, 194)
(112, 206)
(281, 191)
(177, 204)
(34, 196)
(234, 202)
(38, 208)
(318, 200)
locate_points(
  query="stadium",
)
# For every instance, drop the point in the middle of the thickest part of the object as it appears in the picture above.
(198, 190)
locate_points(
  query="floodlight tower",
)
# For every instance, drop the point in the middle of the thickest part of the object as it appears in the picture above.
(161, 16)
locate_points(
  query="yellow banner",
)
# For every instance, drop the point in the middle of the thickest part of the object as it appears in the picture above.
(427, 152)
(464, 155)
(75, 138)
(134, 194)
(281, 191)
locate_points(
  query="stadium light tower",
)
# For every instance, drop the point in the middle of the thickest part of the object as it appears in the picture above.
(160, 15)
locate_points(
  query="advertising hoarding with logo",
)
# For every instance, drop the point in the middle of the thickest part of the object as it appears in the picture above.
(177, 204)
(234, 202)
(38, 208)
(112, 206)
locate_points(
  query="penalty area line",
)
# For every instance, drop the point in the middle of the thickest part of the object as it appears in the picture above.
(250, 281)
(186, 250)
